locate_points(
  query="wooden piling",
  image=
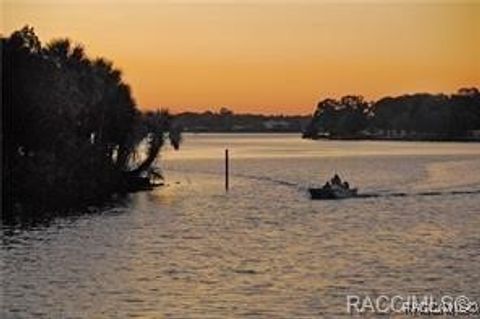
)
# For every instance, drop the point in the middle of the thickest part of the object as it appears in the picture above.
(226, 170)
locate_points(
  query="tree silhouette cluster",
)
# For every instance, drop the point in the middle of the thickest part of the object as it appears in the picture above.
(71, 131)
(226, 120)
(417, 116)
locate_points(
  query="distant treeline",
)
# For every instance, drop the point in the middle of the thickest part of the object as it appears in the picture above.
(226, 121)
(71, 132)
(417, 117)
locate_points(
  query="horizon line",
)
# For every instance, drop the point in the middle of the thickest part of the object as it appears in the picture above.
(216, 109)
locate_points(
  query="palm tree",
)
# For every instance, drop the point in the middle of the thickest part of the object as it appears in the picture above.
(154, 128)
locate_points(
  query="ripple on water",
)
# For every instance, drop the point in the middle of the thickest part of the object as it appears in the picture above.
(264, 250)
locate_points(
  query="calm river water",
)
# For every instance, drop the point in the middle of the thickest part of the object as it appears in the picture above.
(264, 249)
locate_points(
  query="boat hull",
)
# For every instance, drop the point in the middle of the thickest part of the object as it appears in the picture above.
(321, 193)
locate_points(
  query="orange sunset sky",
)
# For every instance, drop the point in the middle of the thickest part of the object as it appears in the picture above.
(267, 56)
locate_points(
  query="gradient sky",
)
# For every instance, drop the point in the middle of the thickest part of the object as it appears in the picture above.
(267, 56)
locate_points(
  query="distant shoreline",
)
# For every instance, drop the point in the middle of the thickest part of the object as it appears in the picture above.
(389, 139)
(243, 132)
(398, 139)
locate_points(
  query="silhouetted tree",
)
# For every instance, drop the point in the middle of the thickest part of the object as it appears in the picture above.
(417, 115)
(70, 125)
(345, 117)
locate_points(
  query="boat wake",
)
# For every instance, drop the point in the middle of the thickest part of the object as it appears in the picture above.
(270, 179)
(384, 194)
(302, 188)
(432, 193)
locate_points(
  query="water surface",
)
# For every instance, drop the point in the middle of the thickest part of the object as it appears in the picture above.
(264, 249)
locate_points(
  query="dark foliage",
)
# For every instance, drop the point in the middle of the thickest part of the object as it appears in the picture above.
(418, 116)
(227, 121)
(71, 130)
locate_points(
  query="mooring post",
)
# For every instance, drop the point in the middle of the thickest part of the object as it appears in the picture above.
(226, 170)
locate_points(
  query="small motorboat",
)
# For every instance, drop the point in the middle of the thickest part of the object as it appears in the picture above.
(333, 189)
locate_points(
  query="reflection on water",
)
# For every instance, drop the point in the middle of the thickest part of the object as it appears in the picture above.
(264, 249)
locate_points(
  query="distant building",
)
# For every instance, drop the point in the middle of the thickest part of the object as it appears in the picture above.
(474, 133)
(276, 124)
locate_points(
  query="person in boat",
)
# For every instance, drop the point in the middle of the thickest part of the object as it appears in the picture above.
(336, 180)
(346, 185)
(327, 186)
